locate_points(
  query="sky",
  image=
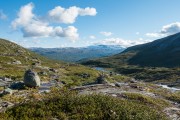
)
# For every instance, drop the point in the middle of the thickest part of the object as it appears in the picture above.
(80, 23)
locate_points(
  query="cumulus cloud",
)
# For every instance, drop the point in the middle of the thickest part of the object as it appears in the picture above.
(106, 33)
(166, 30)
(68, 16)
(70, 32)
(92, 37)
(25, 16)
(122, 42)
(171, 28)
(2, 15)
(31, 26)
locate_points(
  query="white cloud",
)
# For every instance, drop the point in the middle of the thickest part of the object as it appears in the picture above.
(2, 15)
(70, 32)
(122, 42)
(31, 26)
(87, 11)
(166, 30)
(37, 29)
(68, 16)
(155, 35)
(25, 16)
(171, 28)
(92, 37)
(106, 33)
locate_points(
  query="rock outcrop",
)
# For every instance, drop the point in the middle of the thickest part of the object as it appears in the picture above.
(31, 79)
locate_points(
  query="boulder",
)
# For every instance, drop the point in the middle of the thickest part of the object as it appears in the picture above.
(31, 79)
(102, 80)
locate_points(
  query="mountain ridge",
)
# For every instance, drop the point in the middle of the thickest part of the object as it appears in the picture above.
(163, 52)
(72, 54)
(159, 53)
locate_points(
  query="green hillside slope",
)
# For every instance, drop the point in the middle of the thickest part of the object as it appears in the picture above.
(157, 61)
(15, 60)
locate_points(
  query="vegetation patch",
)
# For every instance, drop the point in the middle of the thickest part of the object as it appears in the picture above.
(157, 103)
(64, 104)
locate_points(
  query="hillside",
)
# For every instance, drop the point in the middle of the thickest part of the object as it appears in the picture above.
(15, 60)
(71, 54)
(164, 52)
(155, 61)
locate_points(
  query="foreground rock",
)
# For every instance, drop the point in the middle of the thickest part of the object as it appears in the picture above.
(31, 79)
(4, 105)
(5, 82)
(8, 91)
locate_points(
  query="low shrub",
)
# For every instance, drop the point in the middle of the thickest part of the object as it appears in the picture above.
(64, 104)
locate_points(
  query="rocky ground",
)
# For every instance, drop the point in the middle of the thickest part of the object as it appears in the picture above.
(118, 90)
(10, 97)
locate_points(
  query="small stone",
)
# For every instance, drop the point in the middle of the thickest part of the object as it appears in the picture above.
(118, 84)
(8, 91)
(4, 104)
(114, 95)
(42, 73)
(133, 80)
(53, 70)
(17, 62)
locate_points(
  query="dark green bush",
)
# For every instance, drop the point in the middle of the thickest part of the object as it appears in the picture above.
(68, 105)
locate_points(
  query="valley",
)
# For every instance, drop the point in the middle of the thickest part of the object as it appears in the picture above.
(72, 82)
(78, 54)
(89, 60)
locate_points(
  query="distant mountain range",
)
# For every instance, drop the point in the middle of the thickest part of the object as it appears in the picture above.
(71, 54)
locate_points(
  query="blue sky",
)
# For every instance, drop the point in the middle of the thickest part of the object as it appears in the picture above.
(56, 23)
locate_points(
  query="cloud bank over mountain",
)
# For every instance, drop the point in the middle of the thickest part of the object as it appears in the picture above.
(166, 30)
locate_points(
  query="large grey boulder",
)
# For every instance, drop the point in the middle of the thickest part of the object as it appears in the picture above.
(102, 80)
(31, 79)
